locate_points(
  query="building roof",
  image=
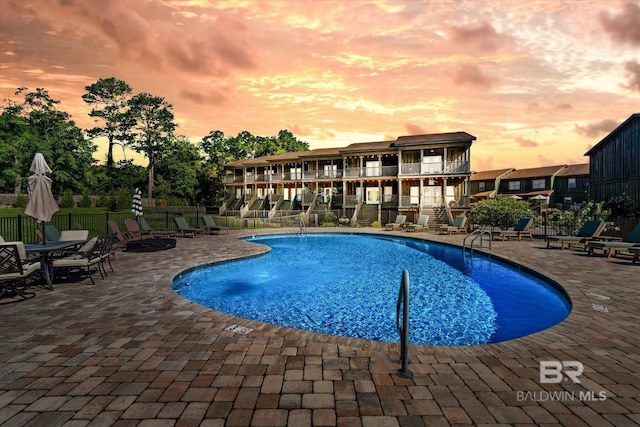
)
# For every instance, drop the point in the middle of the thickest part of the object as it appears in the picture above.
(575, 170)
(482, 194)
(613, 133)
(433, 138)
(368, 146)
(490, 175)
(321, 152)
(540, 172)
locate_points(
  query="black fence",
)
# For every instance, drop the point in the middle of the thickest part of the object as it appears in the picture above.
(22, 227)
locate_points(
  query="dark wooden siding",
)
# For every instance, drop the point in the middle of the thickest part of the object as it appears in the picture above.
(561, 189)
(615, 167)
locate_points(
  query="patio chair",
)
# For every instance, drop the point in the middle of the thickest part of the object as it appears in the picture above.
(612, 247)
(15, 268)
(459, 226)
(398, 224)
(134, 230)
(421, 224)
(185, 229)
(588, 231)
(68, 235)
(88, 257)
(635, 251)
(211, 226)
(146, 229)
(520, 230)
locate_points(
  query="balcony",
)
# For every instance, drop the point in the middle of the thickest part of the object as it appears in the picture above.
(454, 167)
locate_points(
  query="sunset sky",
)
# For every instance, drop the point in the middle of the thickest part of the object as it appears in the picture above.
(537, 82)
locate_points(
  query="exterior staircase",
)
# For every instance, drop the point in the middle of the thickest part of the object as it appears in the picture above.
(437, 215)
(367, 215)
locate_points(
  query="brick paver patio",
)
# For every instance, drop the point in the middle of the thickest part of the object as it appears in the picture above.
(130, 352)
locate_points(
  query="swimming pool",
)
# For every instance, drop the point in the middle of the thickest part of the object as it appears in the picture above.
(347, 285)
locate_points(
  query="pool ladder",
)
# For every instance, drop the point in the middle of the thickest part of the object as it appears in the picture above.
(479, 233)
(303, 227)
(403, 329)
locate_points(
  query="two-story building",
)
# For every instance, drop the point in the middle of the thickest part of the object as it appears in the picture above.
(614, 163)
(530, 183)
(412, 174)
(485, 184)
(571, 187)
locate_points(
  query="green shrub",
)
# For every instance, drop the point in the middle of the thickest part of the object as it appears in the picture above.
(67, 200)
(503, 212)
(21, 201)
(86, 201)
(376, 224)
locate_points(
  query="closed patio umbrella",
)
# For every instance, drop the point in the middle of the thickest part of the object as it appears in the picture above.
(136, 207)
(41, 205)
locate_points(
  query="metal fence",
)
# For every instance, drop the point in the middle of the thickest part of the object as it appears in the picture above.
(22, 227)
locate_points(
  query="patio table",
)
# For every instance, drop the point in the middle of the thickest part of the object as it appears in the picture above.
(46, 252)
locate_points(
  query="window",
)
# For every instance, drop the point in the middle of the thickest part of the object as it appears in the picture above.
(538, 184)
(571, 183)
(481, 186)
(514, 185)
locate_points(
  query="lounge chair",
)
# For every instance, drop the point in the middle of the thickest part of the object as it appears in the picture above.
(120, 237)
(211, 226)
(134, 230)
(146, 229)
(88, 257)
(459, 226)
(611, 247)
(635, 251)
(50, 231)
(15, 268)
(520, 230)
(422, 224)
(185, 229)
(588, 231)
(397, 225)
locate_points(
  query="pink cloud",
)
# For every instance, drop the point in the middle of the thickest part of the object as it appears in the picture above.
(632, 69)
(524, 142)
(625, 26)
(413, 129)
(596, 129)
(469, 74)
(482, 37)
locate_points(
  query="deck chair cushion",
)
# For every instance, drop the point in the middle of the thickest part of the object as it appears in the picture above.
(150, 245)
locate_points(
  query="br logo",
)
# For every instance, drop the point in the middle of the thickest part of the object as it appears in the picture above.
(554, 371)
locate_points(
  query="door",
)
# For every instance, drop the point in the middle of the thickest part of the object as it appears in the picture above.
(414, 195)
(432, 196)
(373, 196)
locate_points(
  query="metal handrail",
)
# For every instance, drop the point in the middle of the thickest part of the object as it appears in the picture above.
(480, 232)
(403, 330)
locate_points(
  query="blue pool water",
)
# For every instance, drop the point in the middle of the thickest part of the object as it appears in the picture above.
(348, 285)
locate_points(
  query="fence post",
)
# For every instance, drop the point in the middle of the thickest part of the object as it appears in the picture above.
(106, 215)
(20, 239)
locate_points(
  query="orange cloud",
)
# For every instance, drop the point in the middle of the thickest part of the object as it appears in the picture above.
(623, 27)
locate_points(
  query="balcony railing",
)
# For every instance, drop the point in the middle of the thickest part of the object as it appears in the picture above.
(448, 167)
(371, 171)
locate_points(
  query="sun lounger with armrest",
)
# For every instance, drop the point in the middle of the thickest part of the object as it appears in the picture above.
(520, 230)
(459, 226)
(610, 247)
(185, 229)
(588, 231)
(211, 226)
(398, 224)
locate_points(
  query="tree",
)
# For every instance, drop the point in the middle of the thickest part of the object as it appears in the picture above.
(178, 165)
(152, 130)
(36, 125)
(109, 98)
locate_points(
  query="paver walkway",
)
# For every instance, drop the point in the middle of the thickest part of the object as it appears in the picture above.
(130, 352)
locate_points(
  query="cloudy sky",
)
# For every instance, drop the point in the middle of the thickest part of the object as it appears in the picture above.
(537, 82)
